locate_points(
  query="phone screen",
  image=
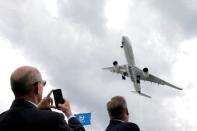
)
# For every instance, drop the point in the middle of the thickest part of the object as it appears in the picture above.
(57, 94)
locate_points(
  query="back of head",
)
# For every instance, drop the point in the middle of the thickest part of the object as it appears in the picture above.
(117, 107)
(23, 79)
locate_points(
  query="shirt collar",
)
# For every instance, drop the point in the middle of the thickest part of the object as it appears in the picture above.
(32, 103)
(118, 120)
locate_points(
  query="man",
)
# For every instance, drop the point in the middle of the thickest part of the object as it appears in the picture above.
(119, 116)
(29, 112)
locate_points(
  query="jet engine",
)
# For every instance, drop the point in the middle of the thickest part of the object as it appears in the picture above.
(115, 63)
(145, 72)
(116, 67)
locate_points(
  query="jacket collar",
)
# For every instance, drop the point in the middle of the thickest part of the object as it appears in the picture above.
(22, 103)
(116, 121)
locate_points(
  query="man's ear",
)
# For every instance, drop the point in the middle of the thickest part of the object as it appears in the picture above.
(36, 89)
(126, 115)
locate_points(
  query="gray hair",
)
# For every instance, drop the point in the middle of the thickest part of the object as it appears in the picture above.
(116, 107)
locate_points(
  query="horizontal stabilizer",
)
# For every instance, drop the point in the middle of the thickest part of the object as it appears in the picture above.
(142, 94)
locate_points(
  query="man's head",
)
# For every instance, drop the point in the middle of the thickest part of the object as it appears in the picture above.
(117, 108)
(26, 81)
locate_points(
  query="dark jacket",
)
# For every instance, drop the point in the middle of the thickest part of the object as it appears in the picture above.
(24, 116)
(116, 125)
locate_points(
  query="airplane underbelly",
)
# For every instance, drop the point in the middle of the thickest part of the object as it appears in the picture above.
(129, 57)
(137, 86)
(133, 78)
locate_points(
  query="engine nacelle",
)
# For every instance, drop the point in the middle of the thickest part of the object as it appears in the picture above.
(145, 72)
(115, 63)
(116, 67)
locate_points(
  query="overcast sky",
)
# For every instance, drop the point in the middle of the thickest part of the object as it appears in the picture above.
(71, 40)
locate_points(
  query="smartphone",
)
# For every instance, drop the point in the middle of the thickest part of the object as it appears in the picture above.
(57, 94)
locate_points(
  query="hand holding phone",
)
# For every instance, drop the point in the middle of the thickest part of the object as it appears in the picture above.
(57, 94)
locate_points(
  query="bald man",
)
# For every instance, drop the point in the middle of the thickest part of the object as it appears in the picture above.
(29, 112)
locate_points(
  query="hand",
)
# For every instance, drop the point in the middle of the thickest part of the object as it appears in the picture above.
(66, 108)
(46, 102)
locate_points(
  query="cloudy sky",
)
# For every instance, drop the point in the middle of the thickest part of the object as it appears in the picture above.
(71, 40)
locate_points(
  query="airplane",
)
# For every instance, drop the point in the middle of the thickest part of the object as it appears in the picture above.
(132, 71)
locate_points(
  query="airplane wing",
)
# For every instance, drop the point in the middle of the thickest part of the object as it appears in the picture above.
(152, 78)
(122, 69)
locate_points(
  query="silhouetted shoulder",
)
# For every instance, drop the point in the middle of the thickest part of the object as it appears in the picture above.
(132, 126)
(115, 125)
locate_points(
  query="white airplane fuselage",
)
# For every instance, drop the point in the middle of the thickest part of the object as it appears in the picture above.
(131, 62)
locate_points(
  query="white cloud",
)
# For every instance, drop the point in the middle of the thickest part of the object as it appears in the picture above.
(72, 43)
(10, 60)
(116, 12)
(185, 72)
(51, 6)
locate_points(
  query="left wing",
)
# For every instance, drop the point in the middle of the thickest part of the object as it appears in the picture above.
(121, 69)
(152, 78)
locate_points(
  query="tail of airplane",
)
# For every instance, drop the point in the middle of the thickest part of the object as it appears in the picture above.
(141, 94)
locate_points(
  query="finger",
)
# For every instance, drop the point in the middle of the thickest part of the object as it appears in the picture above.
(49, 94)
(48, 100)
(65, 100)
(51, 101)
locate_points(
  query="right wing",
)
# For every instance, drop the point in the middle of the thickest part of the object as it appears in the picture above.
(153, 78)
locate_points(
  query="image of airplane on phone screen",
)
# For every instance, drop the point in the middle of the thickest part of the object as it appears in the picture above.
(133, 72)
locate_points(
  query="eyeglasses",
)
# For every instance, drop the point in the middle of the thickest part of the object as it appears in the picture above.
(43, 82)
